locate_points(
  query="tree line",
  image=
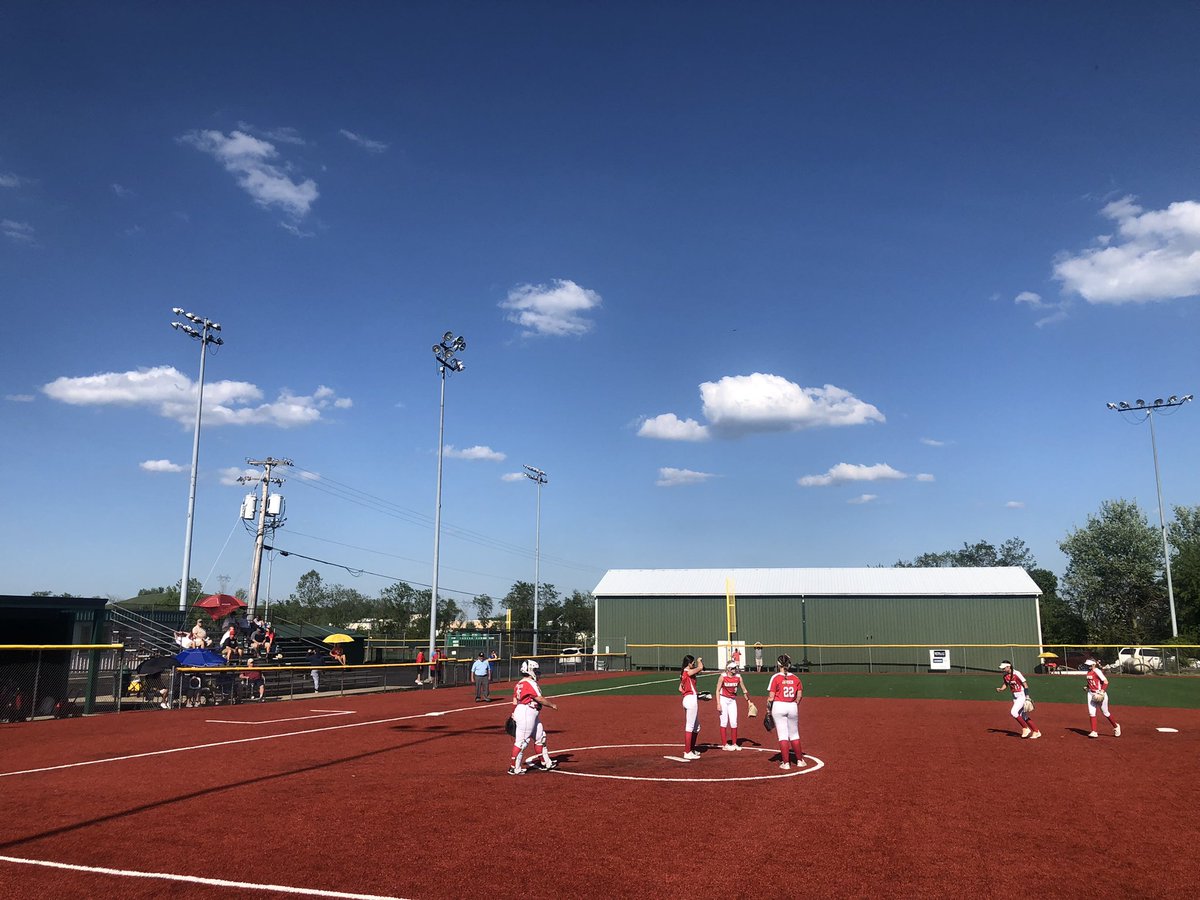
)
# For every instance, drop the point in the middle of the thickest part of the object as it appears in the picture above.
(1114, 589)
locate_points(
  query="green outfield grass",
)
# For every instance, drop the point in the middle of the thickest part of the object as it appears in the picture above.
(1126, 690)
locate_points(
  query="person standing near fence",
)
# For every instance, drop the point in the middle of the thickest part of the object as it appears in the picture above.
(420, 665)
(691, 721)
(727, 691)
(435, 663)
(758, 651)
(527, 705)
(1097, 697)
(1014, 681)
(783, 704)
(481, 674)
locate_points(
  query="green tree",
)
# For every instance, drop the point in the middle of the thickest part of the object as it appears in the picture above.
(578, 614)
(1112, 578)
(1012, 552)
(484, 609)
(1060, 623)
(1184, 536)
(520, 600)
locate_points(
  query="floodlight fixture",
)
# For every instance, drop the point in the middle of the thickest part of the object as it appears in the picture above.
(539, 478)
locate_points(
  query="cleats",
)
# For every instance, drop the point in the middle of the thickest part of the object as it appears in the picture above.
(729, 747)
(516, 770)
(735, 746)
(549, 766)
(692, 754)
(1116, 731)
(801, 763)
(785, 766)
(1035, 735)
(1093, 734)
(1026, 732)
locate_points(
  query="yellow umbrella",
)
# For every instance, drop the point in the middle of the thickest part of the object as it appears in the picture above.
(1040, 655)
(338, 639)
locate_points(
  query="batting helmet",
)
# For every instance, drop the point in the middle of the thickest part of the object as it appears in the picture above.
(529, 667)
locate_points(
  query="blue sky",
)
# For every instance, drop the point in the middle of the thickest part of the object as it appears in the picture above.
(756, 285)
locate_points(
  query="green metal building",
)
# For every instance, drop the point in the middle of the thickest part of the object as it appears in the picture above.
(808, 613)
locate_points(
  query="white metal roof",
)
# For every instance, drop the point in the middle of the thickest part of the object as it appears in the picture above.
(933, 582)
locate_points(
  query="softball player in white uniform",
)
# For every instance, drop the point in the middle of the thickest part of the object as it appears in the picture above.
(1014, 681)
(687, 686)
(1096, 685)
(783, 704)
(527, 705)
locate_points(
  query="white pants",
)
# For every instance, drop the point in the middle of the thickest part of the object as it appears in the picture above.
(689, 713)
(1093, 706)
(728, 712)
(1018, 706)
(529, 726)
(787, 720)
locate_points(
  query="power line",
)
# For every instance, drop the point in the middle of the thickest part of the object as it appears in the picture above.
(359, 572)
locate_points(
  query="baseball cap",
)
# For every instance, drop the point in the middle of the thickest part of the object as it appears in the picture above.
(1089, 662)
(1005, 664)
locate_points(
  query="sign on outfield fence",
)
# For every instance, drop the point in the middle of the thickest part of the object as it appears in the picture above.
(939, 660)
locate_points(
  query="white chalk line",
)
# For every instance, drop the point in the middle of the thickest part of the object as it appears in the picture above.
(286, 734)
(322, 715)
(814, 763)
(195, 879)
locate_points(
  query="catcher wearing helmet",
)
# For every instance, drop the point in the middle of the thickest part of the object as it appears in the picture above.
(1096, 685)
(526, 713)
(783, 709)
(692, 666)
(1015, 682)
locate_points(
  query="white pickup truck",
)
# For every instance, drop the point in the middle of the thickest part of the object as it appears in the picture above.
(1138, 659)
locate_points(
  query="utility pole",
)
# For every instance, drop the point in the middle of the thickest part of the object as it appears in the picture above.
(1149, 408)
(444, 352)
(267, 464)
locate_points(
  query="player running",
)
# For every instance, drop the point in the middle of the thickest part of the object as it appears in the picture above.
(783, 704)
(691, 721)
(727, 690)
(1014, 681)
(1097, 686)
(527, 704)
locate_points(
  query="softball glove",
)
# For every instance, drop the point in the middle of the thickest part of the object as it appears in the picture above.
(769, 722)
(510, 726)
(753, 710)
(1028, 707)
(1099, 697)
(705, 695)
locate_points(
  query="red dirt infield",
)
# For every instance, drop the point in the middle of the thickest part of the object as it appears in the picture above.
(404, 795)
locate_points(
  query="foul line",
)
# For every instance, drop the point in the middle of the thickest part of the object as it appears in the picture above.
(196, 879)
(286, 734)
(321, 715)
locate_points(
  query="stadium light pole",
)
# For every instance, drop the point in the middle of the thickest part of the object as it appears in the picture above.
(444, 354)
(206, 335)
(1148, 409)
(539, 478)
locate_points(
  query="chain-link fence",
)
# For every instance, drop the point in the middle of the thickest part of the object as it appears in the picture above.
(58, 680)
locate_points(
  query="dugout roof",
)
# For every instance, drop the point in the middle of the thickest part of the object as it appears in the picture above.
(1009, 581)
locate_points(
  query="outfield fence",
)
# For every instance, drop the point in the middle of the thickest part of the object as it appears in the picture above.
(56, 680)
(1179, 659)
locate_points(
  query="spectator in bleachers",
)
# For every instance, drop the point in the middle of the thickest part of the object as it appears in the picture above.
(230, 647)
(199, 635)
(270, 647)
(259, 639)
(254, 681)
(337, 656)
(314, 659)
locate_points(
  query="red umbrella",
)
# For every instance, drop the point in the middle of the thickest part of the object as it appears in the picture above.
(218, 605)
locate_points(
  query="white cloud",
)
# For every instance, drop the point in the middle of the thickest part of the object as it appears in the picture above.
(669, 477)
(160, 465)
(925, 476)
(21, 232)
(744, 404)
(930, 442)
(848, 472)
(172, 395)
(554, 310)
(1015, 504)
(669, 427)
(365, 142)
(230, 474)
(11, 180)
(1031, 299)
(304, 475)
(282, 135)
(1155, 255)
(863, 498)
(513, 476)
(121, 191)
(476, 452)
(250, 161)
(19, 398)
